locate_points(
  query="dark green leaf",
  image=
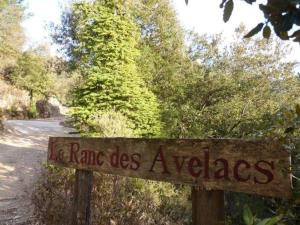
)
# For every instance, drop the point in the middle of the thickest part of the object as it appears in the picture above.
(263, 222)
(228, 10)
(267, 32)
(270, 221)
(273, 220)
(255, 30)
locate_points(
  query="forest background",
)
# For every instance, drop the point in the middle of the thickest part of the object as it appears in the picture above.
(130, 69)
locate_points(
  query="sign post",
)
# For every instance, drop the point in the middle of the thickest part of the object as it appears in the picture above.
(210, 166)
(207, 207)
(82, 197)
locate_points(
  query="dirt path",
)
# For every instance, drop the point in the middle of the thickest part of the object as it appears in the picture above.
(23, 149)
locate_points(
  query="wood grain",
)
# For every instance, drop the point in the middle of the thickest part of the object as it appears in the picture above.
(208, 207)
(81, 211)
(255, 167)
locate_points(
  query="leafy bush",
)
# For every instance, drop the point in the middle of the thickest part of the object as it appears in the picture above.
(250, 219)
(107, 124)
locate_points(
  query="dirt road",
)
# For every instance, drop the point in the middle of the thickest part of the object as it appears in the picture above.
(23, 149)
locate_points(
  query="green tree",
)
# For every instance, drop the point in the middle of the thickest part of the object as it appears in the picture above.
(205, 89)
(104, 43)
(11, 34)
(234, 90)
(163, 61)
(31, 74)
(161, 44)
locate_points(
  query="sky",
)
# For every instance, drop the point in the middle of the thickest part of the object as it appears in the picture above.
(203, 16)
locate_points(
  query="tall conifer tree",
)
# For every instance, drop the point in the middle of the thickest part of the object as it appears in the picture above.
(104, 42)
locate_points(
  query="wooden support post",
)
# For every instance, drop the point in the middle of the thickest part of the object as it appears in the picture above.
(208, 207)
(81, 211)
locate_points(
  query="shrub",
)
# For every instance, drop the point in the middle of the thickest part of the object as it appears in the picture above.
(106, 124)
(52, 196)
(115, 200)
(32, 112)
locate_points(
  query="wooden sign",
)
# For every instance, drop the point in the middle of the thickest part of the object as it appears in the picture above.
(257, 167)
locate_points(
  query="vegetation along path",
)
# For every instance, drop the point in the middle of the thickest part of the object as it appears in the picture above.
(23, 149)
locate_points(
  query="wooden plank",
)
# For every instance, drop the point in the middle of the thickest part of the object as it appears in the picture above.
(82, 197)
(208, 207)
(257, 167)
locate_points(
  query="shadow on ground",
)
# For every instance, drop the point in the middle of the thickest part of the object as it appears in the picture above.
(23, 150)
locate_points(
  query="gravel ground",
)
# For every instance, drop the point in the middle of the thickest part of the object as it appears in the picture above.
(23, 149)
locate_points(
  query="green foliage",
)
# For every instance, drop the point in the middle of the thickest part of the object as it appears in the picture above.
(31, 75)
(162, 62)
(249, 219)
(287, 129)
(107, 124)
(107, 52)
(11, 34)
(247, 216)
(161, 44)
(232, 92)
(64, 80)
(205, 89)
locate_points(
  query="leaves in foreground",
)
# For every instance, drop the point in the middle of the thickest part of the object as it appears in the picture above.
(267, 32)
(250, 219)
(255, 30)
(228, 10)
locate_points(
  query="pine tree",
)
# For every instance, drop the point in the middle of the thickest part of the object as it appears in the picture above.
(106, 40)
